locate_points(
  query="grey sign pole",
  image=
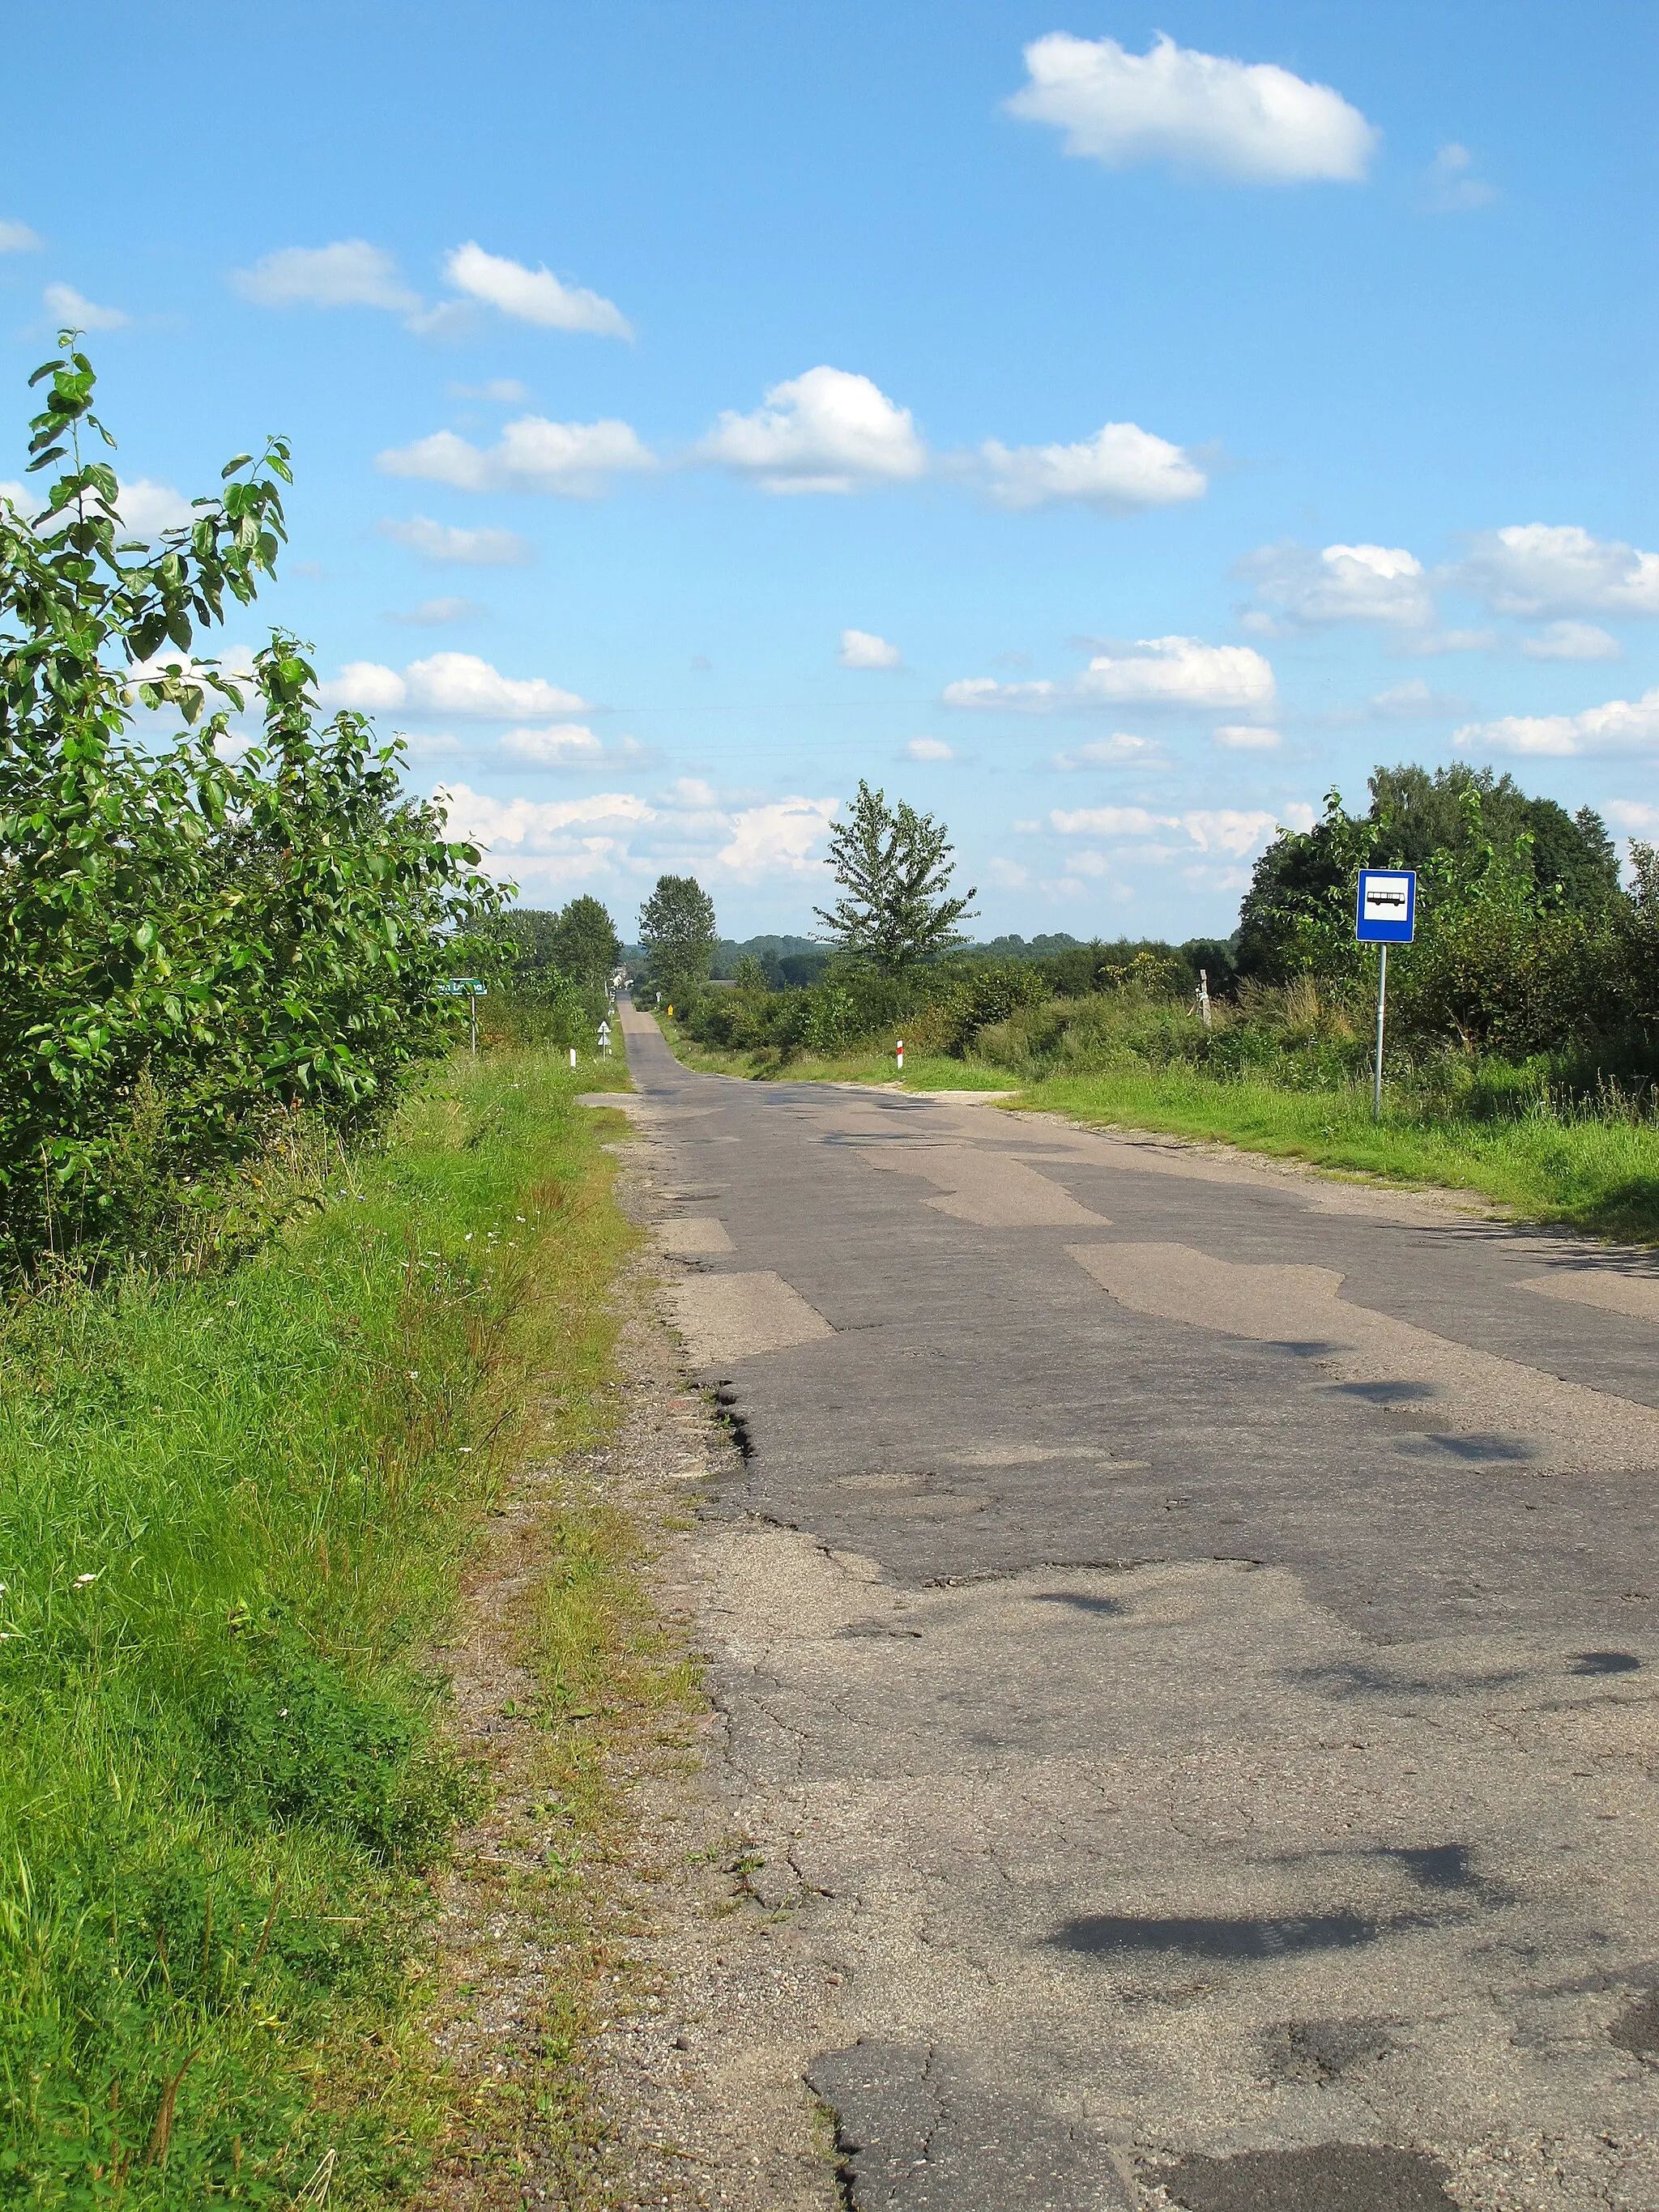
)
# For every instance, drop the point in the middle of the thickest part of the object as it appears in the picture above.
(1386, 915)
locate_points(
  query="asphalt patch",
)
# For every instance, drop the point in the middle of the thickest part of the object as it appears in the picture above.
(918, 2132)
(1319, 2177)
(1101, 1934)
(1324, 2049)
(1636, 2028)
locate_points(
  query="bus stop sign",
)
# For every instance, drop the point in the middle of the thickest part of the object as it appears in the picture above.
(1387, 906)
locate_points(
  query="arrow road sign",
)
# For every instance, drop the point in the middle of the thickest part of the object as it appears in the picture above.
(1387, 906)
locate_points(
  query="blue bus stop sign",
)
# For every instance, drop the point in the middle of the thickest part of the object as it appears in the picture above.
(1387, 906)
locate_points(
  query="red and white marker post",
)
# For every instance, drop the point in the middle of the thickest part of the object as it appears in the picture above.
(899, 1055)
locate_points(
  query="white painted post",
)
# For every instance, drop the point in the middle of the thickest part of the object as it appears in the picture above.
(901, 1056)
(573, 1055)
(1203, 997)
(1382, 1000)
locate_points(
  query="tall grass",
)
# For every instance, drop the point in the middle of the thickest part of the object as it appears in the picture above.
(232, 1513)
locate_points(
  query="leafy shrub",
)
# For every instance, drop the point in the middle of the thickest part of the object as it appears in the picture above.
(189, 936)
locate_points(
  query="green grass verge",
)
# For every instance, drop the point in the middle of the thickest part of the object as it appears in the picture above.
(1594, 1173)
(233, 1512)
(1598, 1173)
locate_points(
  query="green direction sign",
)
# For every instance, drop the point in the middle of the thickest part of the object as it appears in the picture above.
(463, 986)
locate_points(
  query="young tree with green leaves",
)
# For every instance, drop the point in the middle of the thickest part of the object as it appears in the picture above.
(677, 928)
(189, 934)
(893, 867)
(584, 942)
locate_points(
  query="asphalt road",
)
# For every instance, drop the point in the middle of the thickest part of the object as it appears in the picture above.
(1186, 1635)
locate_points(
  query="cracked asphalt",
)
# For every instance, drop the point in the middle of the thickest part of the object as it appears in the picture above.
(1184, 1637)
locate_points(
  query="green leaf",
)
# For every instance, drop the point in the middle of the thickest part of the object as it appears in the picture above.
(231, 467)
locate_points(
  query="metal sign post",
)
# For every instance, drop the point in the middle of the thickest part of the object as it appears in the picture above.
(1386, 915)
(471, 989)
(605, 1038)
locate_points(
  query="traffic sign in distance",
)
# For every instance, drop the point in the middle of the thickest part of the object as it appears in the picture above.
(1387, 906)
(463, 986)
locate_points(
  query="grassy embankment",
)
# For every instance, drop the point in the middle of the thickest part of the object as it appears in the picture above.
(234, 1510)
(1595, 1171)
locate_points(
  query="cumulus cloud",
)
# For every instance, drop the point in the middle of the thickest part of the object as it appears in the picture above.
(1121, 469)
(449, 684)
(69, 306)
(1121, 749)
(1161, 671)
(350, 273)
(18, 238)
(1450, 187)
(1571, 641)
(1413, 701)
(148, 508)
(431, 614)
(827, 431)
(777, 839)
(1247, 737)
(18, 494)
(569, 461)
(527, 822)
(1536, 569)
(1634, 815)
(1622, 725)
(532, 295)
(1252, 122)
(470, 549)
(1343, 583)
(1232, 830)
(861, 648)
(564, 744)
(929, 749)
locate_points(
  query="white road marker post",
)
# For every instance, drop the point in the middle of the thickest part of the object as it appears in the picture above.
(1386, 915)
(1204, 996)
(573, 1055)
(901, 1056)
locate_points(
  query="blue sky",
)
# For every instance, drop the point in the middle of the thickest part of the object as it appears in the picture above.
(1107, 429)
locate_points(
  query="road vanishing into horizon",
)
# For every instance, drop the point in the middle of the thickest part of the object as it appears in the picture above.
(1187, 1642)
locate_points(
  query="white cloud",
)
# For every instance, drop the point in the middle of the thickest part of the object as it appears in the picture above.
(534, 823)
(448, 684)
(565, 744)
(1571, 641)
(532, 295)
(1622, 725)
(1251, 121)
(148, 508)
(861, 648)
(350, 273)
(1344, 583)
(1163, 671)
(18, 494)
(827, 431)
(1247, 737)
(570, 460)
(1538, 569)
(1109, 822)
(18, 238)
(1119, 751)
(503, 391)
(1413, 701)
(777, 838)
(1634, 815)
(1229, 829)
(432, 612)
(69, 306)
(929, 749)
(1006, 875)
(471, 549)
(1121, 469)
(1233, 830)
(1448, 186)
